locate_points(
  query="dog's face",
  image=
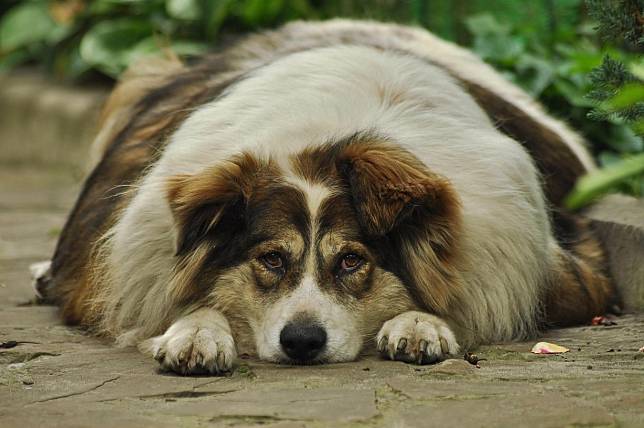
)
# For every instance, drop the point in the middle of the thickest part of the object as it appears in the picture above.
(307, 260)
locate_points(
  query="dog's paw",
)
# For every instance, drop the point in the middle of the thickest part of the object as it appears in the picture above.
(194, 350)
(189, 348)
(41, 278)
(416, 337)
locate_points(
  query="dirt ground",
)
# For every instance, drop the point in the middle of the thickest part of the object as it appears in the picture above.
(57, 376)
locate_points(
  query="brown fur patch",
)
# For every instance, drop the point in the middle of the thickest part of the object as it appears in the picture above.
(580, 288)
(127, 154)
(410, 213)
(140, 79)
(557, 163)
(201, 204)
(234, 213)
(198, 202)
(389, 184)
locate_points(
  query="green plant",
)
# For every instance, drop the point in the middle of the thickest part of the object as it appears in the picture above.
(73, 37)
(548, 47)
(561, 72)
(618, 96)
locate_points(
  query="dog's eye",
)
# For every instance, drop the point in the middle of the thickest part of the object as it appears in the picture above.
(273, 260)
(350, 262)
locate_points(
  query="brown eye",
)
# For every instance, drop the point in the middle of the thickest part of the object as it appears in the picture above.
(350, 262)
(273, 260)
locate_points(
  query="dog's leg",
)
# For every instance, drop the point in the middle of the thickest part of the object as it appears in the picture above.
(198, 343)
(41, 277)
(416, 337)
(580, 287)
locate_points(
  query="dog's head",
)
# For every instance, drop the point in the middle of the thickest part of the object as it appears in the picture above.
(307, 260)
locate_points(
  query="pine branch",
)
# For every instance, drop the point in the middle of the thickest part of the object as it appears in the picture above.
(619, 20)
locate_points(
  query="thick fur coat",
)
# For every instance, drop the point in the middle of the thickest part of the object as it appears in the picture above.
(324, 188)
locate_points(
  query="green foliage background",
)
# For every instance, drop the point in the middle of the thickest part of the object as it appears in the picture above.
(548, 47)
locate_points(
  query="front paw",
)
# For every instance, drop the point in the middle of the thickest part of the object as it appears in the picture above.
(192, 349)
(416, 337)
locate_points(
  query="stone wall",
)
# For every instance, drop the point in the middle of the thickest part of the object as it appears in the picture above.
(46, 123)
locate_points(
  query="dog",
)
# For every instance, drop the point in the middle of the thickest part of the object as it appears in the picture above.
(312, 193)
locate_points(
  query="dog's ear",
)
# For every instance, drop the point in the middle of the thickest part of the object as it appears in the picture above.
(416, 211)
(392, 189)
(212, 203)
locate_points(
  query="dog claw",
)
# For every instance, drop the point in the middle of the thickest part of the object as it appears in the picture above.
(382, 345)
(221, 362)
(420, 338)
(159, 356)
(444, 345)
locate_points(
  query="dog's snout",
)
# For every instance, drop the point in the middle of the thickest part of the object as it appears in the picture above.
(303, 341)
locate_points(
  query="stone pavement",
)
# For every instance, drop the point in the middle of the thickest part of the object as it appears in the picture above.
(61, 377)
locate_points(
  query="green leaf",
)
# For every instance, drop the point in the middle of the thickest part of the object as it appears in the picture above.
(573, 93)
(150, 46)
(155, 45)
(188, 10)
(535, 73)
(122, 8)
(500, 49)
(623, 139)
(601, 181)
(188, 47)
(485, 24)
(111, 45)
(493, 41)
(261, 12)
(584, 61)
(637, 68)
(628, 95)
(638, 127)
(608, 158)
(216, 13)
(14, 58)
(25, 24)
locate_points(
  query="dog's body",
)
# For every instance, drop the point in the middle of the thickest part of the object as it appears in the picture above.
(320, 188)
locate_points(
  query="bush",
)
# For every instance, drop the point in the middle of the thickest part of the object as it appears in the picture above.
(547, 47)
(578, 82)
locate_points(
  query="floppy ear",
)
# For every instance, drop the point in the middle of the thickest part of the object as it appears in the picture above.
(211, 204)
(391, 189)
(417, 211)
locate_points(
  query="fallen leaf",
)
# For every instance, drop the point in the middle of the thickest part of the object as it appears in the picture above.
(548, 348)
(602, 320)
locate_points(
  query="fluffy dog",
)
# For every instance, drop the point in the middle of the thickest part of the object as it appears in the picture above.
(313, 192)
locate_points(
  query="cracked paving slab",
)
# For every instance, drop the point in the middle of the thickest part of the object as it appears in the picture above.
(69, 379)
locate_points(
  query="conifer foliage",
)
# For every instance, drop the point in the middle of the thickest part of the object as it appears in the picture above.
(617, 90)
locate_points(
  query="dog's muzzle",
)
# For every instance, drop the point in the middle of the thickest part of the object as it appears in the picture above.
(303, 341)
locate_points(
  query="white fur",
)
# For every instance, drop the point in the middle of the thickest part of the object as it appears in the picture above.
(414, 327)
(40, 271)
(457, 60)
(315, 193)
(201, 341)
(326, 94)
(343, 339)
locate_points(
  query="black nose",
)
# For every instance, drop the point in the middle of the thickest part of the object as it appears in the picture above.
(302, 341)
